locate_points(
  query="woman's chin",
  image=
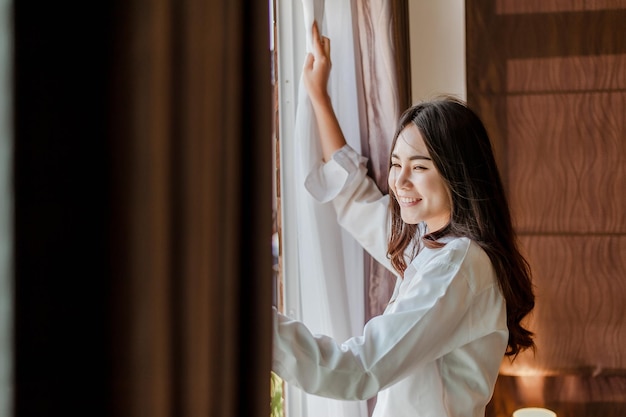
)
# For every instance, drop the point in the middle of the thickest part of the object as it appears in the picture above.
(410, 219)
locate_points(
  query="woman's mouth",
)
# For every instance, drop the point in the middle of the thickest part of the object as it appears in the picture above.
(408, 201)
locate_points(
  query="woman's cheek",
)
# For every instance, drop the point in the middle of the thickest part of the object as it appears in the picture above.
(391, 180)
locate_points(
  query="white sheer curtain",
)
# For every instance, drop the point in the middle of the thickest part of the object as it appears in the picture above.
(328, 291)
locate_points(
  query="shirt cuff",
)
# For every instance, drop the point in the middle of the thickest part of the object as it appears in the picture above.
(327, 180)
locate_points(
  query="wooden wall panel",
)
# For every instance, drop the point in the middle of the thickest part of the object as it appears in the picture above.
(566, 162)
(551, 6)
(538, 6)
(548, 78)
(605, 4)
(580, 330)
(577, 73)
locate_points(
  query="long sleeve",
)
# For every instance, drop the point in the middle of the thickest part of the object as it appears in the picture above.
(439, 309)
(360, 206)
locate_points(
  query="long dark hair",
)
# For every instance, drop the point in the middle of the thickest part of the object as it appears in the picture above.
(460, 148)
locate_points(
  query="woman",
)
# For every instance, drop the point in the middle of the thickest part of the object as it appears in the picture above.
(463, 288)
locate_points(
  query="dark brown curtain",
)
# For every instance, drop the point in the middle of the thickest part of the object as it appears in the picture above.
(548, 79)
(143, 201)
(61, 208)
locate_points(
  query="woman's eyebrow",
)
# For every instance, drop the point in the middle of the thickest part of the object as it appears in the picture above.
(413, 157)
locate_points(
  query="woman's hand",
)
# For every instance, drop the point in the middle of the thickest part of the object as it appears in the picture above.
(315, 76)
(317, 67)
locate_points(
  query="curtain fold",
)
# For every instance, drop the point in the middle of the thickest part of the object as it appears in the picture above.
(368, 88)
(192, 261)
(330, 261)
(384, 63)
(385, 68)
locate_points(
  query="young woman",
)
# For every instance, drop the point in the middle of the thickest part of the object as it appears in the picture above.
(463, 288)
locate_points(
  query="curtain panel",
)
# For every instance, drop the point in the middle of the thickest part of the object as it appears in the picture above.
(191, 226)
(330, 262)
(383, 30)
(385, 78)
(338, 286)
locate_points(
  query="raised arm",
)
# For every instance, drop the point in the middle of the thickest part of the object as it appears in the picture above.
(360, 206)
(315, 76)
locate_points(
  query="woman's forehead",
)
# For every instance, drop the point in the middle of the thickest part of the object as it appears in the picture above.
(410, 141)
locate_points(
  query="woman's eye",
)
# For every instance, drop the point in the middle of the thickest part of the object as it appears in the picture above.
(395, 165)
(419, 168)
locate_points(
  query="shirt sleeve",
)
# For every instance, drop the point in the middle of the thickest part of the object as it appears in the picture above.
(360, 206)
(429, 319)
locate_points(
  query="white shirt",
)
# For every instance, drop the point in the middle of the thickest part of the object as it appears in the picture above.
(436, 349)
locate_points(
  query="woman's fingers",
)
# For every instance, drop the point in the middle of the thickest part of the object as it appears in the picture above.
(321, 44)
(326, 45)
(317, 65)
(316, 32)
(318, 49)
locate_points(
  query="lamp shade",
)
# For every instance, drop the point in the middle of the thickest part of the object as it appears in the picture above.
(534, 412)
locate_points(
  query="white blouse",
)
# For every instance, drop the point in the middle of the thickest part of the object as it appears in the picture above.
(436, 349)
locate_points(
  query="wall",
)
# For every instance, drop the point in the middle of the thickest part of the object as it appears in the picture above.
(437, 30)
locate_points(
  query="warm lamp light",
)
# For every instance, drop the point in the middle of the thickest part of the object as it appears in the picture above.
(534, 412)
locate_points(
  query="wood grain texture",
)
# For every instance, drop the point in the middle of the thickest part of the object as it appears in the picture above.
(538, 6)
(548, 79)
(579, 317)
(605, 4)
(566, 170)
(551, 6)
(577, 73)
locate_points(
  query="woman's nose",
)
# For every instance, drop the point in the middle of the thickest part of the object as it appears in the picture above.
(402, 179)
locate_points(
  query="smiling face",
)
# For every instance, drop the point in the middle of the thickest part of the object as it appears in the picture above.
(419, 189)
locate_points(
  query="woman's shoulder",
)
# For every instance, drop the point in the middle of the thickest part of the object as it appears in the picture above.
(468, 258)
(455, 250)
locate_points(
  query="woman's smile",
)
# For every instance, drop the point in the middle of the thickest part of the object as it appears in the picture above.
(408, 201)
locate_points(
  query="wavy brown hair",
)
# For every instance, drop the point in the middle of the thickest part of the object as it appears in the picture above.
(460, 148)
